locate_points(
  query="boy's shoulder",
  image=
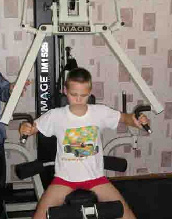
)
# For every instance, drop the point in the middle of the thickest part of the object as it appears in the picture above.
(98, 108)
(60, 109)
(57, 110)
(102, 109)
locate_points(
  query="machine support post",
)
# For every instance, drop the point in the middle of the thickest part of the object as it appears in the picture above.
(24, 73)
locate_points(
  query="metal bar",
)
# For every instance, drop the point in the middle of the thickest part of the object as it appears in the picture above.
(141, 84)
(21, 207)
(23, 75)
(25, 153)
(24, 13)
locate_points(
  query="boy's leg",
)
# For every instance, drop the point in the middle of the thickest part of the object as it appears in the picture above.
(53, 196)
(107, 192)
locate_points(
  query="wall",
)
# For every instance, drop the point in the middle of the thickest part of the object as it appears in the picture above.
(146, 39)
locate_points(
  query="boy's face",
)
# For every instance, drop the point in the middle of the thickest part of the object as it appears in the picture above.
(78, 93)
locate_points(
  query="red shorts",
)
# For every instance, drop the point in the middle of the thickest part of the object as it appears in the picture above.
(80, 185)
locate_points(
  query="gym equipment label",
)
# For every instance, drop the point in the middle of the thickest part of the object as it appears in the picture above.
(74, 28)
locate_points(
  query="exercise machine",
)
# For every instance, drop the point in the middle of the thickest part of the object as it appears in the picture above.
(74, 17)
(69, 17)
(64, 17)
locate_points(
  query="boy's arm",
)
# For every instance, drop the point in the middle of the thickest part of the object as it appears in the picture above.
(130, 120)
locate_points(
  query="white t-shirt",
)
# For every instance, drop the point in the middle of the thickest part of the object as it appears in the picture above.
(79, 148)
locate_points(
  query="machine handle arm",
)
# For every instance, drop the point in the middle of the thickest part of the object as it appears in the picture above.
(138, 111)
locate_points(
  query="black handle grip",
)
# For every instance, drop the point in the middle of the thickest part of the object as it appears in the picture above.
(23, 116)
(137, 112)
(124, 102)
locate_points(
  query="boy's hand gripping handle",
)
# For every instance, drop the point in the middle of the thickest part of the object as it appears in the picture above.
(137, 112)
(23, 116)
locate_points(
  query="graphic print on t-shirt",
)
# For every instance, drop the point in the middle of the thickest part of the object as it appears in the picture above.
(81, 142)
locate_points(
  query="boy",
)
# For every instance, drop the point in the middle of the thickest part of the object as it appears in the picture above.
(79, 159)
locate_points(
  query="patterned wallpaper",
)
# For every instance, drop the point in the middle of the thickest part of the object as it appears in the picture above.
(145, 38)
